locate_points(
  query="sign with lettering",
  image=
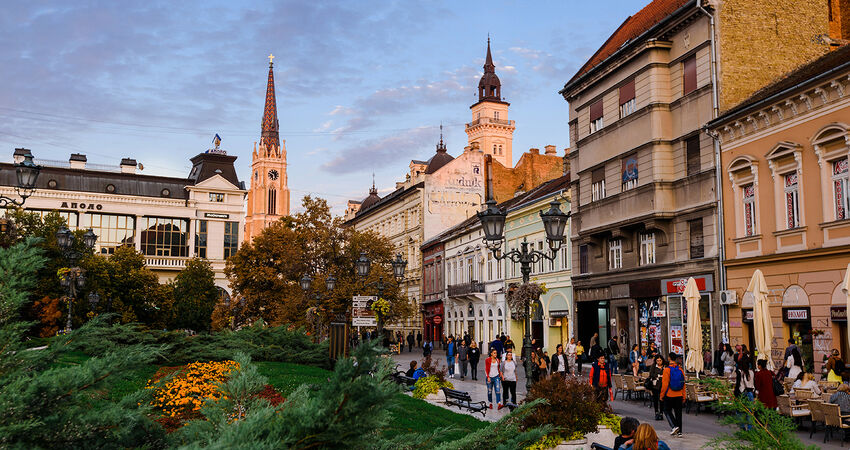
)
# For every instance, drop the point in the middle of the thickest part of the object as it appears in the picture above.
(659, 313)
(838, 313)
(361, 315)
(747, 316)
(676, 286)
(438, 320)
(559, 313)
(81, 205)
(217, 215)
(796, 314)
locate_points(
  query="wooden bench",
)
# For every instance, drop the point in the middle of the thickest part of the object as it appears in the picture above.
(404, 380)
(462, 399)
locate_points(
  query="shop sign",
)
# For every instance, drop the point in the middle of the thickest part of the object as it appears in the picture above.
(559, 313)
(437, 320)
(796, 314)
(217, 215)
(81, 205)
(748, 316)
(838, 313)
(676, 286)
(659, 313)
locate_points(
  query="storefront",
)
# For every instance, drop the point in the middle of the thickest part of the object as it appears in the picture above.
(749, 331)
(434, 320)
(798, 323)
(677, 313)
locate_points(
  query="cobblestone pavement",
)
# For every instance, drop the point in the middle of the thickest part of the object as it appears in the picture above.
(698, 429)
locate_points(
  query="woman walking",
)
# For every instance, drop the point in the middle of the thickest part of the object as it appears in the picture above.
(728, 359)
(474, 354)
(763, 383)
(494, 378)
(794, 363)
(509, 380)
(744, 380)
(579, 356)
(572, 356)
(655, 374)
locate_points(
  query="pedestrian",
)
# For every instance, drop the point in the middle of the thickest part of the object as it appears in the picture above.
(412, 369)
(728, 359)
(463, 358)
(560, 362)
(842, 398)
(647, 439)
(794, 363)
(451, 350)
(628, 426)
(595, 351)
(673, 394)
(613, 353)
(473, 354)
(717, 361)
(427, 347)
(535, 367)
(763, 383)
(656, 374)
(791, 346)
(410, 342)
(548, 362)
(497, 345)
(509, 344)
(600, 379)
(419, 339)
(572, 357)
(643, 359)
(509, 377)
(744, 380)
(594, 341)
(834, 367)
(579, 356)
(634, 360)
(494, 378)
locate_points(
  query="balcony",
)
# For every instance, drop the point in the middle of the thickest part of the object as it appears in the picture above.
(460, 290)
(490, 120)
(166, 262)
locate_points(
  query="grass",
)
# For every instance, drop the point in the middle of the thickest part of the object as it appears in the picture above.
(286, 377)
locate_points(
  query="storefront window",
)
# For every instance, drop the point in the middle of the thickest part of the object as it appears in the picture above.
(231, 238)
(112, 231)
(201, 239)
(71, 217)
(164, 236)
(650, 324)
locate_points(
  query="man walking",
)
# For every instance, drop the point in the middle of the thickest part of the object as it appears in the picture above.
(613, 353)
(419, 339)
(600, 379)
(673, 395)
(451, 349)
(462, 356)
(410, 342)
(509, 344)
(497, 345)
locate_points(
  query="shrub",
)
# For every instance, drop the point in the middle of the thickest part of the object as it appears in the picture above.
(429, 385)
(186, 392)
(434, 369)
(571, 406)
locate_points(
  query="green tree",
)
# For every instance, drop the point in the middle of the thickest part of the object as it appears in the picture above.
(195, 296)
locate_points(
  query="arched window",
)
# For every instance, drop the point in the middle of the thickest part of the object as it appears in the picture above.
(832, 149)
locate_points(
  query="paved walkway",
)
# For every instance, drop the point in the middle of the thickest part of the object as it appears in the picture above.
(698, 429)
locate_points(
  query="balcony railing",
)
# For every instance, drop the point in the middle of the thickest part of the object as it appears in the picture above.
(473, 287)
(166, 262)
(490, 120)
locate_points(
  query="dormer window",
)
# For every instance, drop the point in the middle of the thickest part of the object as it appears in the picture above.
(216, 197)
(496, 115)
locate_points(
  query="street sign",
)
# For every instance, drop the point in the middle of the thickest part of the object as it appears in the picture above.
(361, 315)
(364, 322)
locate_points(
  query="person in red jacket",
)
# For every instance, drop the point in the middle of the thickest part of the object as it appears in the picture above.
(493, 372)
(600, 379)
(673, 394)
(763, 382)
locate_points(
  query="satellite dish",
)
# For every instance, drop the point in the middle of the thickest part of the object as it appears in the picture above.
(141, 166)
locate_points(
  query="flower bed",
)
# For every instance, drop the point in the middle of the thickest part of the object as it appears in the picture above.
(426, 386)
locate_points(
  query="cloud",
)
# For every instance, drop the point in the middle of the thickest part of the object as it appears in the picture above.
(324, 127)
(372, 154)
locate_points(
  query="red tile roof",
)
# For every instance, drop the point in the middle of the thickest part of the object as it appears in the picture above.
(630, 29)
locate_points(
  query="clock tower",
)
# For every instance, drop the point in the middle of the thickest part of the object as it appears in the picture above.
(268, 198)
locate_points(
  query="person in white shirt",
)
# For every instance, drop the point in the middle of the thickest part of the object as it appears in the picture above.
(572, 356)
(559, 362)
(509, 377)
(794, 363)
(806, 381)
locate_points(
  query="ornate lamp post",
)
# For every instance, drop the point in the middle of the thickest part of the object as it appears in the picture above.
(74, 278)
(27, 173)
(554, 223)
(306, 282)
(363, 265)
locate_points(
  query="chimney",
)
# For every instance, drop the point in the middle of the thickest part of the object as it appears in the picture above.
(550, 150)
(77, 161)
(128, 165)
(534, 151)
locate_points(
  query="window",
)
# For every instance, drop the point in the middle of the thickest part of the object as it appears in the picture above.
(112, 231)
(542, 263)
(272, 201)
(216, 197)
(489, 266)
(839, 188)
(500, 149)
(71, 217)
(615, 254)
(164, 236)
(695, 229)
(201, 239)
(496, 115)
(596, 116)
(630, 172)
(583, 259)
(647, 248)
(792, 201)
(627, 98)
(689, 75)
(598, 188)
(692, 155)
(231, 238)
(565, 257)
(749, 210)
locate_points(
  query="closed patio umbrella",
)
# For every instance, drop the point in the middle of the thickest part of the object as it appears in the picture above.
(761, 317)
(694, 361)
(845, 286)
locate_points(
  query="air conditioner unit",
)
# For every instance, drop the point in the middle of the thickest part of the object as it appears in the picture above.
(555, 321)
(728, 297)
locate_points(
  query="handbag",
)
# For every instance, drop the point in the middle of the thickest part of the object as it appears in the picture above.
(778, 389)
(457, 367)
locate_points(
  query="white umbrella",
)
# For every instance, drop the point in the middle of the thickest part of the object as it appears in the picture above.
(846, 288)
(694, 361)
(761, 317)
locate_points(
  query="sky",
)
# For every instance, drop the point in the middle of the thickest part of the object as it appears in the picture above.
(362, 86)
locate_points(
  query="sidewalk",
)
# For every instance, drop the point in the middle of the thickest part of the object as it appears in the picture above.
(698, 429)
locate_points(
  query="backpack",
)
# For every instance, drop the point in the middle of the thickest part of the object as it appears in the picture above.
(677, 379)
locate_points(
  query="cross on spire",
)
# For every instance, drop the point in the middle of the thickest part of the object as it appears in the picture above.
(271, 57)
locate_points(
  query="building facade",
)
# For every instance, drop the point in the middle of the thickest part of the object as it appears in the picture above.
(785, 157)
(645, 215)
(268, 198)
(167, 219)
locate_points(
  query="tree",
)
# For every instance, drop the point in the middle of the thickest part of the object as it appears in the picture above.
(266, 271)
(195, 296)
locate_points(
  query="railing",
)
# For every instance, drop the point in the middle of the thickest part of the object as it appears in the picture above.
(473, 287)
(166, 262)
(489, 120)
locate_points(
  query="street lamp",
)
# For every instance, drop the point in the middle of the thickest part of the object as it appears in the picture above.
(554, 224)
(93, 300)
(306, 282)
(362, 267)
(27, 173)
(74, 278)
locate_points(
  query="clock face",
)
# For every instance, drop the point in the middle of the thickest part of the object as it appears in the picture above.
(273, 174)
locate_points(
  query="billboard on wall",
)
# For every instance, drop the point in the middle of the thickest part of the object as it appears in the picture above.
(454, 193)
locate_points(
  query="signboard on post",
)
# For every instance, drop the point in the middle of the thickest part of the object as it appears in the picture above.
(361, 315)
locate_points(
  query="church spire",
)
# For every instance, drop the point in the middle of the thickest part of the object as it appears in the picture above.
(489, 67)
(270, 136)
(489, 88)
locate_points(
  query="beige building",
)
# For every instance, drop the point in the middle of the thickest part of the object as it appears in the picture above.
(785, 161)
(167, 219)
(644, 205)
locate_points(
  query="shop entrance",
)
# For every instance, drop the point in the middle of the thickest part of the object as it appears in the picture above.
(537, 323)
(649, 323)
(799, 328)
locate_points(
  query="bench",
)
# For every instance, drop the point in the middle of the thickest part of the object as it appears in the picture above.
(404, 380)
(462, 399)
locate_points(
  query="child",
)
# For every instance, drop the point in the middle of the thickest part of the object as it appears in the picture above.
(628, 426)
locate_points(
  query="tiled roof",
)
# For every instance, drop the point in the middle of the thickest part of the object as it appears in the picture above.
(810, 71)
(631, 28)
